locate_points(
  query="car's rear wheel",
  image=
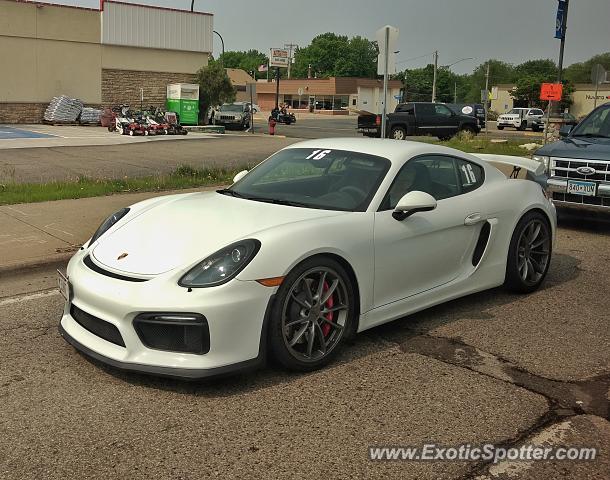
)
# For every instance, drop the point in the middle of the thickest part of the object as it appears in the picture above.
(529, 254)
(398, 133)
(500, 127)
(313, 312)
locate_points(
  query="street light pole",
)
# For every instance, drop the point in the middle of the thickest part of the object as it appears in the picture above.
(222, 43)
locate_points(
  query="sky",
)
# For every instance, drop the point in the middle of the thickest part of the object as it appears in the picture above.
(509, 30)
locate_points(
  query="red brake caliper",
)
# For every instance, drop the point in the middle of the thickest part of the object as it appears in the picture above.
(329, 316)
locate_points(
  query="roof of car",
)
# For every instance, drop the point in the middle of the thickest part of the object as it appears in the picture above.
(394, 150)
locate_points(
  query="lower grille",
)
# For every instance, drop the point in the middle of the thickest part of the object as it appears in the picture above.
(97, 326)
(581, 199)
(174, 332)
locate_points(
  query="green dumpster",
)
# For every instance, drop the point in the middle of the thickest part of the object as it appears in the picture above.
(183, 98)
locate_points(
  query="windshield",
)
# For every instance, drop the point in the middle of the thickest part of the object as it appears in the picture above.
(595, 125)
(515, 111)
(315, 178)
(231, 108)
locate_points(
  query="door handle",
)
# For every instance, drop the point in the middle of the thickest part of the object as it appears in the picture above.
(473, 219)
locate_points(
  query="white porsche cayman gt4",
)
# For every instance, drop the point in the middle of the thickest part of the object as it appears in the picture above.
(324, 239)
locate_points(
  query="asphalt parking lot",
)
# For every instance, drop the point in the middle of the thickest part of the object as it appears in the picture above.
(489, 368)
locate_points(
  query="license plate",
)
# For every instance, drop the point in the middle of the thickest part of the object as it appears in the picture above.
(581, 188)
(64, 285)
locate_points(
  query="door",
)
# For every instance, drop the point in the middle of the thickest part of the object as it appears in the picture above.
(427, 249)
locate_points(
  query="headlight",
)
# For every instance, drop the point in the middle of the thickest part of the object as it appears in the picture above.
(221, 266)
(108, 223)
(544, 160)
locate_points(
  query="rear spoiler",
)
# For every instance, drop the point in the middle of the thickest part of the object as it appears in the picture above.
(532, 166)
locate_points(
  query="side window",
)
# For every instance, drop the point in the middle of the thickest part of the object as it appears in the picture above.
(471, 175)
(433, 174)
(408, 109)
(425, 109)
(442, 110)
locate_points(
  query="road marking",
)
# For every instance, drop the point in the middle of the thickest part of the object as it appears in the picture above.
(29, 296)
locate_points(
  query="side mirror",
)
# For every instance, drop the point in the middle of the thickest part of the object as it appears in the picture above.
(239, 176)
(565, 130)
(413, 202)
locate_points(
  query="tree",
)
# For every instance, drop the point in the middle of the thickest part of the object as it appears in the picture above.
(215, 87)
(418, 84)
(581, 72)
(499, 72)
(247, 61)
(332, 55)
(543, 67)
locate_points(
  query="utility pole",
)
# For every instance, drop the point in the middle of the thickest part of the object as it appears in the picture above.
(486, 95)
(385, 83)
(277, 87)
(290, 46)
(454, 92)
(434, 77)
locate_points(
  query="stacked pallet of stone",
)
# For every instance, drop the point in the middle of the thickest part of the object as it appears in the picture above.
(63, 109)
(90, 115)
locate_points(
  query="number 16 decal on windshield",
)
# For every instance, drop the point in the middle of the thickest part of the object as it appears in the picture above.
(318, 154)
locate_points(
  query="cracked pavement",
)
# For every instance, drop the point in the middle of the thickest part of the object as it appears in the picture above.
(490, 368)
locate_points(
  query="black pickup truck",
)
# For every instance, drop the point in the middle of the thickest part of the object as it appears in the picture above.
(418, 118)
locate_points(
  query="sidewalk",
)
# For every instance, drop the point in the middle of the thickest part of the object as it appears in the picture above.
(33, 234)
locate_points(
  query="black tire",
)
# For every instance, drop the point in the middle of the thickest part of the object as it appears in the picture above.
(531, 256)
(500, 127)
(286, 307)
(398, 133)
(535, 128)
(111, 128)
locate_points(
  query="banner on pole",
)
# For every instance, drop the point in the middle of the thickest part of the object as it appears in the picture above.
(559, 31)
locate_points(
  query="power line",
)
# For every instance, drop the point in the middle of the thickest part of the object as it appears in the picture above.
(415, 58)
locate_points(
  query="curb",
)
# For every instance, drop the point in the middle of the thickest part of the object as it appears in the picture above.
(55, 261)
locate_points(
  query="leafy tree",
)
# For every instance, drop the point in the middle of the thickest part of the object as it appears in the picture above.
(247, 61)
(418, 84)
(542, 67)
(499, 72)
(215, 87)
(581, 72)
(336, 55)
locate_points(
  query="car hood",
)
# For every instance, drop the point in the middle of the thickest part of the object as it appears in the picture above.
(184, 229)
(574, 147)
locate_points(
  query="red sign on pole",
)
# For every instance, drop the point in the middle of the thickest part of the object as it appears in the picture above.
(551, 91)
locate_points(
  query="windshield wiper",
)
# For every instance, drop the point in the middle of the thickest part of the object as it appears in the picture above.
(591, 135)
(232, 193)
(277, 201)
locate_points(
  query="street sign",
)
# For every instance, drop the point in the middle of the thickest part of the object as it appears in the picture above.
(559, 30)
(551, 91)
(278, 57)
(392, 40)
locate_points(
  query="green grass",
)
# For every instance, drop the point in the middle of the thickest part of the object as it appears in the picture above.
(479, 144)
(183, 177)
(188, 177)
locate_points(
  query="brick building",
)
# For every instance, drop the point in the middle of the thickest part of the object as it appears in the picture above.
(334, 95)
(102, 56)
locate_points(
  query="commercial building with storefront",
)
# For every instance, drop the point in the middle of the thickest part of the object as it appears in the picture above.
(583, 98)
(107, 56)
(334, 95)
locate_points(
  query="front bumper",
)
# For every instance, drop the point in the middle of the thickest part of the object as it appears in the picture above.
(508, 123)
(236, 314)
(559, 186)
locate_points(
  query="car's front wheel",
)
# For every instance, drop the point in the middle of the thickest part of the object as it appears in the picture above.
(313, 312)
(529, 254)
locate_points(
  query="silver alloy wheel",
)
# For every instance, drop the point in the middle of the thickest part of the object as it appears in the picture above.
(533, 251)
(398, 134)
(314, 314)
